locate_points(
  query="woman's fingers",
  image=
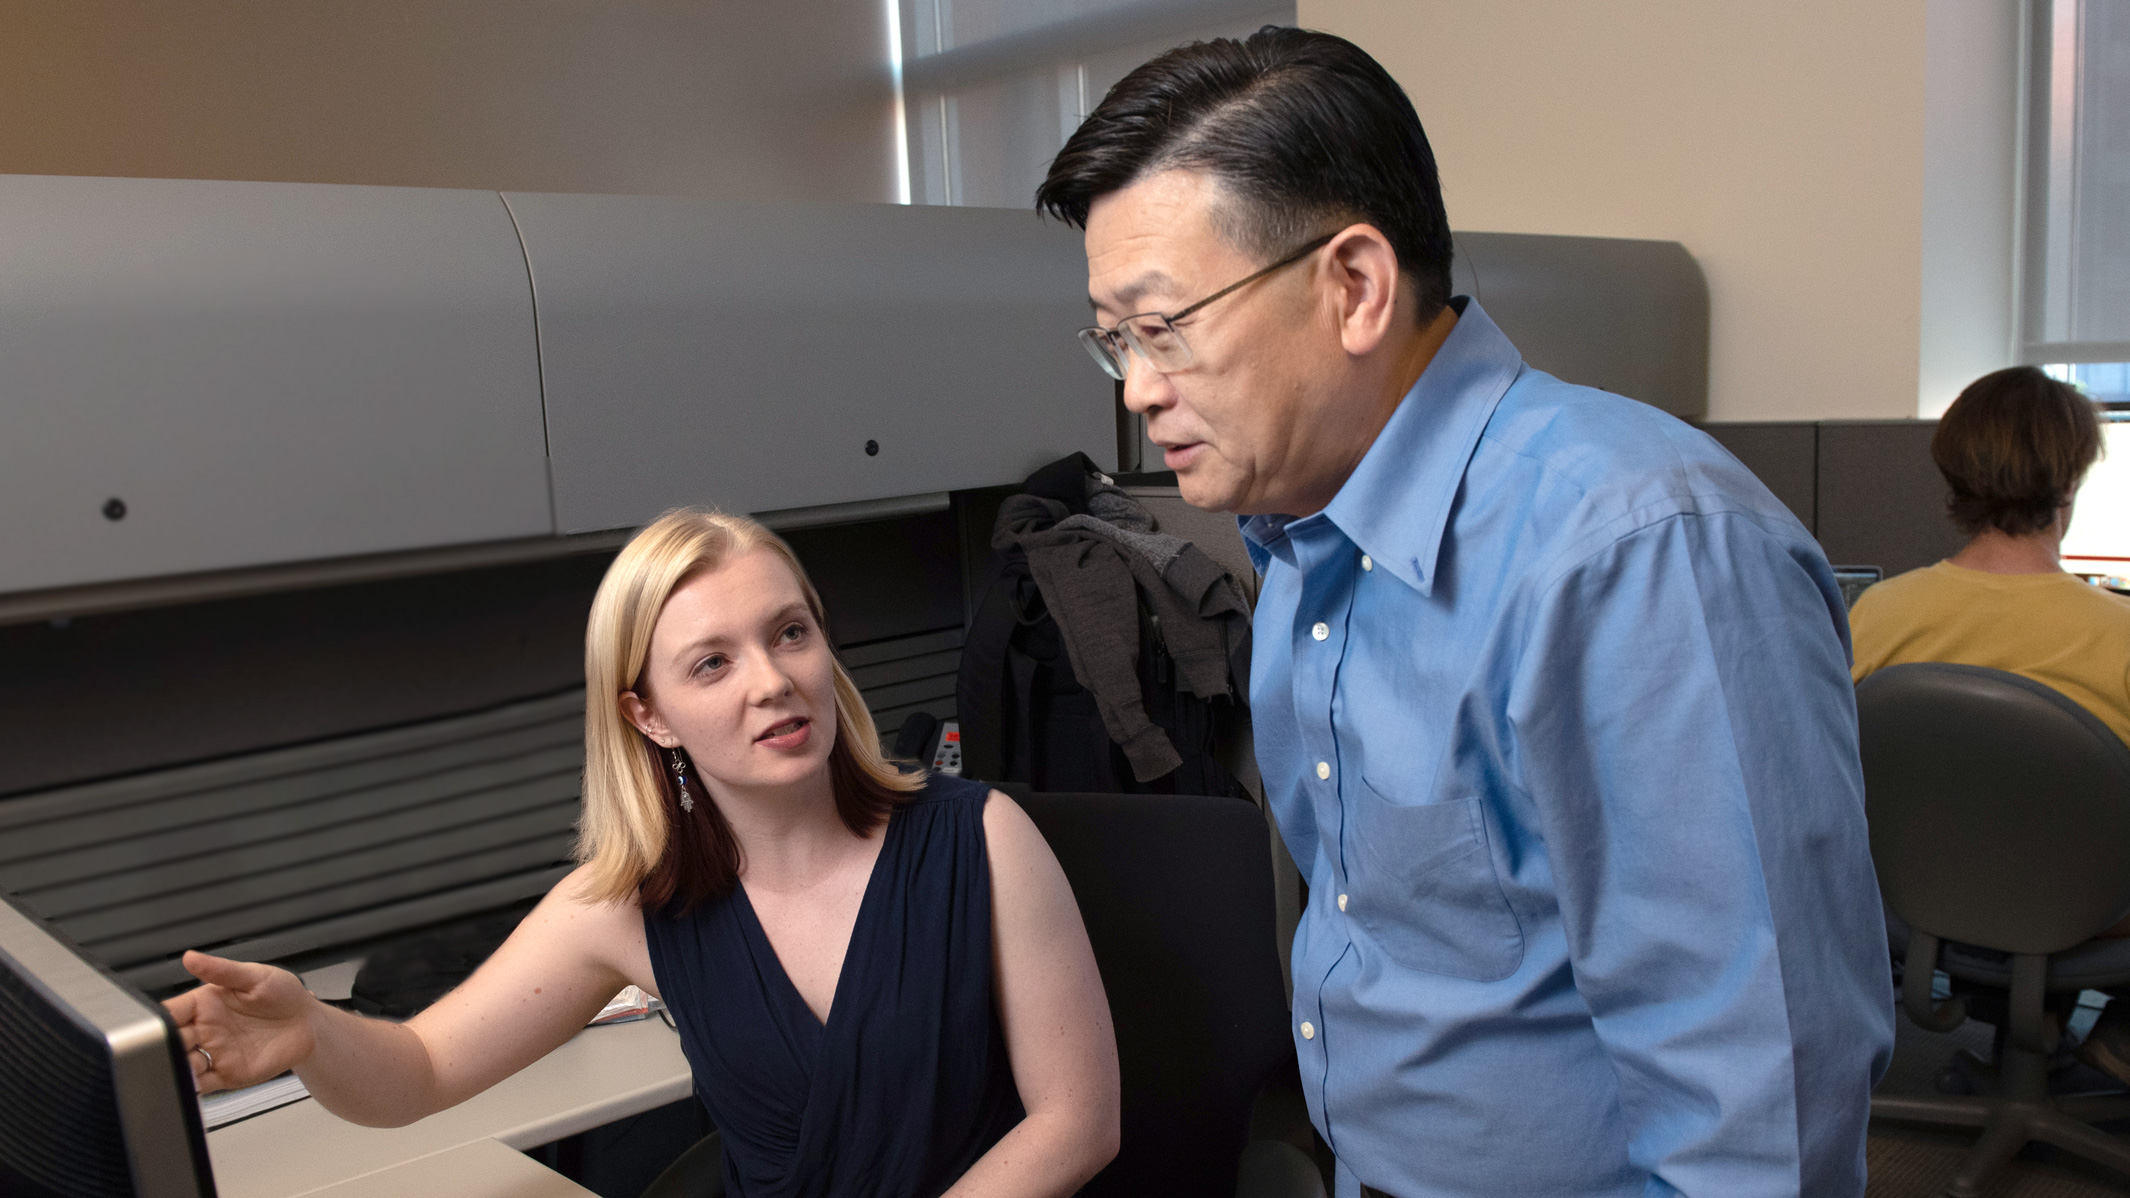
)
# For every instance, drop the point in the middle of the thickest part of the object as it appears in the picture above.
(204, 1078)
(231, 975)
(183, 1008)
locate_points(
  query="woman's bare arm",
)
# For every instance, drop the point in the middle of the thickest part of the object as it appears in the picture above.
(1056, 1019)
(557, 969)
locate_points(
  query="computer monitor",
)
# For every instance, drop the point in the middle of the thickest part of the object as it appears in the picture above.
(96, 1099)
(1855, 580)
(2099, 539)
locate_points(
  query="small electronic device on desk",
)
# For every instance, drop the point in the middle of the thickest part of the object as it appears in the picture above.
(1854, 580)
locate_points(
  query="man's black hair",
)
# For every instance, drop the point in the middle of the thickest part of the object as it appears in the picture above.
(1303, 130)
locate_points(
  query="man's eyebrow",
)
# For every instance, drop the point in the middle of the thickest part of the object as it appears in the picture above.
(1127, 295)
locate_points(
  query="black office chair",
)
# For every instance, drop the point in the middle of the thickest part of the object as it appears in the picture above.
(1176, 896)
(1176, 892)
(2000, 826)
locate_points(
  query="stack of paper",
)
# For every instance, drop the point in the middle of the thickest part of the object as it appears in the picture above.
(631, 1003)
(232, 1105)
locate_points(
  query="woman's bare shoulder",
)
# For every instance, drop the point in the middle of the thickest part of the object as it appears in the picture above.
(1021, 860)
(1004, 819)
(572, 923)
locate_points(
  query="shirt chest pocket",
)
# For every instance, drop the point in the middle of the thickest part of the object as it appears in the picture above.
(1422, 885)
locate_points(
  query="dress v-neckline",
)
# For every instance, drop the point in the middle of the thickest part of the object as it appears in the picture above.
(866, 903)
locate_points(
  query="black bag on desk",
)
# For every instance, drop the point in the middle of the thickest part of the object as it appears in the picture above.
(1028, 716)
(399, 980)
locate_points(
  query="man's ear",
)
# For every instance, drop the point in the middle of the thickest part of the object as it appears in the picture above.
(1365, 280)
(639, 713)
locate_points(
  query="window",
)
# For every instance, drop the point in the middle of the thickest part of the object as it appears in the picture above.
(992, 88)
(2075, 268)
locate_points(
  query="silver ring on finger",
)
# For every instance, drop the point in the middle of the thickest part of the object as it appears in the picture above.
(206, 1054)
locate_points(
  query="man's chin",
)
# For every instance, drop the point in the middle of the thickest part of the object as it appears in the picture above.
(1202, 489)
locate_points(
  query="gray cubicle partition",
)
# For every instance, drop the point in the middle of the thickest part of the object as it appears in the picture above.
(1866, 488)
(766, 356)
(1625, 315)
(199, 376)
(1881, 499)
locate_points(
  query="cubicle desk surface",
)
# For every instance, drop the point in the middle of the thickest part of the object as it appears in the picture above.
(604, 1074)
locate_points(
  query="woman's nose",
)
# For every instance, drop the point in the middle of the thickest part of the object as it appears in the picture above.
(767, 678)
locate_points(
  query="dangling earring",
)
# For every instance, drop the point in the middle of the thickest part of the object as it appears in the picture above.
(680, 778)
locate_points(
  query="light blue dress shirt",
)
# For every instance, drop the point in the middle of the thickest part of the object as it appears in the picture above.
(1553, 708)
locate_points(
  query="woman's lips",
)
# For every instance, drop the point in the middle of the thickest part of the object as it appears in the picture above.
(1182, 455)
(785, 737)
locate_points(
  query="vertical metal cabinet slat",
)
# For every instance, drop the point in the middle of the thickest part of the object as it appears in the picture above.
(742, 354)
(261, 372)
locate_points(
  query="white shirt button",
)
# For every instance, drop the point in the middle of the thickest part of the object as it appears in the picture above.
(1320, 631)
(1308, 1030)
(1323, 770)
(1367, 564)
(1342, 902)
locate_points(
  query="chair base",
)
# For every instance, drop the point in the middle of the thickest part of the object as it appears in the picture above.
(2009, 1125)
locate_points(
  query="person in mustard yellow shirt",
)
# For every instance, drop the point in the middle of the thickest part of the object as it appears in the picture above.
(2013, 449)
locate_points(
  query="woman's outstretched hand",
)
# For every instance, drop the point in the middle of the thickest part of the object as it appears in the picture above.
(253, 1020)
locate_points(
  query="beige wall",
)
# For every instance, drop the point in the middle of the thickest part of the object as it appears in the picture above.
(1783, 144)
(1970, 167)
(663, 96)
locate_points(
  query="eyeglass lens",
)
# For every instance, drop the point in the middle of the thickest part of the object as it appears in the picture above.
(1097, 344)
(1154, 339)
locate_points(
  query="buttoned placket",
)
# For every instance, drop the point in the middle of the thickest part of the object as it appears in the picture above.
(1329, 568)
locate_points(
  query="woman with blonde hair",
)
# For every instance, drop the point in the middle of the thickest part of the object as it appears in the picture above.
(880, 979)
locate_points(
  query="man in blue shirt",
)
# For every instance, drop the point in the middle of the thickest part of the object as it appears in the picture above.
(1551, 696)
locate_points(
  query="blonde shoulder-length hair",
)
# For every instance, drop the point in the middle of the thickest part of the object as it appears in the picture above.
(634, 836)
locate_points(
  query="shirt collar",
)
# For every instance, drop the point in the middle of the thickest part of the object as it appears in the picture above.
(1396, 504)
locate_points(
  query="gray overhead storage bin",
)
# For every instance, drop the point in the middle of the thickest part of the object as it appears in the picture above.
(199, 376)
(1625, 315)
(769, 356)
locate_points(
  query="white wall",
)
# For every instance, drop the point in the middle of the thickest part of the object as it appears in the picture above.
(1827, 162)
(657, 96)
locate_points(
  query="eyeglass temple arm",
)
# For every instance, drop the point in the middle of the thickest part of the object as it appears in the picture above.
(1289, 260)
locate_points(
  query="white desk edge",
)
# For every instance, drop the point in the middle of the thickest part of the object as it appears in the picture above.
(602, 1074)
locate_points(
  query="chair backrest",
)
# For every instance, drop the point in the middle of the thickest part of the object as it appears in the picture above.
(1999, 809)
(1176, 891)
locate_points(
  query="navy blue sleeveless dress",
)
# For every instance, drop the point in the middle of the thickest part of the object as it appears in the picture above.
(908, 1083)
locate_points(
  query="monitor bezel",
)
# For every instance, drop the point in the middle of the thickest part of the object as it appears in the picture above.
(149, 1073)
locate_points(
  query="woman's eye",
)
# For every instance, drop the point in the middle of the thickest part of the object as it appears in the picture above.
(795, 632)
(710, 664)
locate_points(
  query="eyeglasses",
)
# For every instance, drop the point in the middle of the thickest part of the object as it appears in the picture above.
(1155, 337)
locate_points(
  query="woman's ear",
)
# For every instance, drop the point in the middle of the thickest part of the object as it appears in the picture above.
(639, 713)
